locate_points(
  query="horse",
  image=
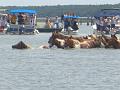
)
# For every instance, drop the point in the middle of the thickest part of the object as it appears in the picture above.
(114, 42)
(79, 42)
(92, 41)
(57, 39)
(105, 41)
(95, 41)
(110, 42)
(72, 43)
(20, 45)
(62, 41)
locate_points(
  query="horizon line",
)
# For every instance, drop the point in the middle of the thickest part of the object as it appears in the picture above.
(53, 5)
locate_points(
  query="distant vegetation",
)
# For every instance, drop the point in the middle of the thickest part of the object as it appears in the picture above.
(81, 10)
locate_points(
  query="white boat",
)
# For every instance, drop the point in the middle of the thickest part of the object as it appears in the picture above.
(70, 24)
(22, 21)
(70, 31)
(21, 29)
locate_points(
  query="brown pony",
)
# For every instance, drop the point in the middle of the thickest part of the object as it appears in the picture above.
(57, 39)
(114, 42)
(20, 45)
(105, 41)
(92, 40)
(110, 42)
(77, 42)
(62, 41)
(72, 43)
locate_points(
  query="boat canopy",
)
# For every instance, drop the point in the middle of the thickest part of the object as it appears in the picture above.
(15, 11)
(74, 17)
(107, 13)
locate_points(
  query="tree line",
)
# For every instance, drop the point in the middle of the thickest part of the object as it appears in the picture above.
(58, 10)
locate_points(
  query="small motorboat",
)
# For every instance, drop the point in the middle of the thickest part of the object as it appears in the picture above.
(71, 26)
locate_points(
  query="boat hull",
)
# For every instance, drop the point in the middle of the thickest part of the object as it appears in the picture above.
(48, 30)
(70, 32)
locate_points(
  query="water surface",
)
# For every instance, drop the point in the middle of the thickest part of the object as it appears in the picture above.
(57, 69)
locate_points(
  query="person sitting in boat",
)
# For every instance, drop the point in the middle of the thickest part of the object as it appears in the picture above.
(113, 22)
(56, 22)
(3, 23)
(33, 20)
(27, 20)
(66, 24)
(13, 19)
(98, 24)
(20, 19)
(62, 17)
(48, 23)
(74, 24)
(21, 22)
(107, 25)
(1, 26)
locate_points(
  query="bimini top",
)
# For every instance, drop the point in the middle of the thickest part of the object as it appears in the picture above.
(107, 12)
(74, 17)
(15, 11)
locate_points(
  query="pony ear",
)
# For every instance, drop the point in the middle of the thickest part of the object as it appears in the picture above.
(57, 32)
(71, 37)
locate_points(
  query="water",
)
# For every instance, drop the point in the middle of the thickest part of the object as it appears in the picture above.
(56, 69)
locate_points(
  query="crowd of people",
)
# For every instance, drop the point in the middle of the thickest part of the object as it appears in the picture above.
(66, 21)
(22, 19)
(70, 21)
(53, 23)
(107, 24)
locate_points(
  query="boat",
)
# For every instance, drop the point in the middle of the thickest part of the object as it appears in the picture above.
(107, 22)
(70, 31)
(22, 21)
(3, 23)
(51, 26)
(71, 26)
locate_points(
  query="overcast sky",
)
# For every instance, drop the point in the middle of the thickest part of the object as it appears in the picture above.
(54, 2)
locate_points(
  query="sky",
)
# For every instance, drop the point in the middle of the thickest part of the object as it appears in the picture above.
(55, 2)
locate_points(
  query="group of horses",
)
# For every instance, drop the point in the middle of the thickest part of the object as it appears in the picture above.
(90, 41)
(65, 41)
